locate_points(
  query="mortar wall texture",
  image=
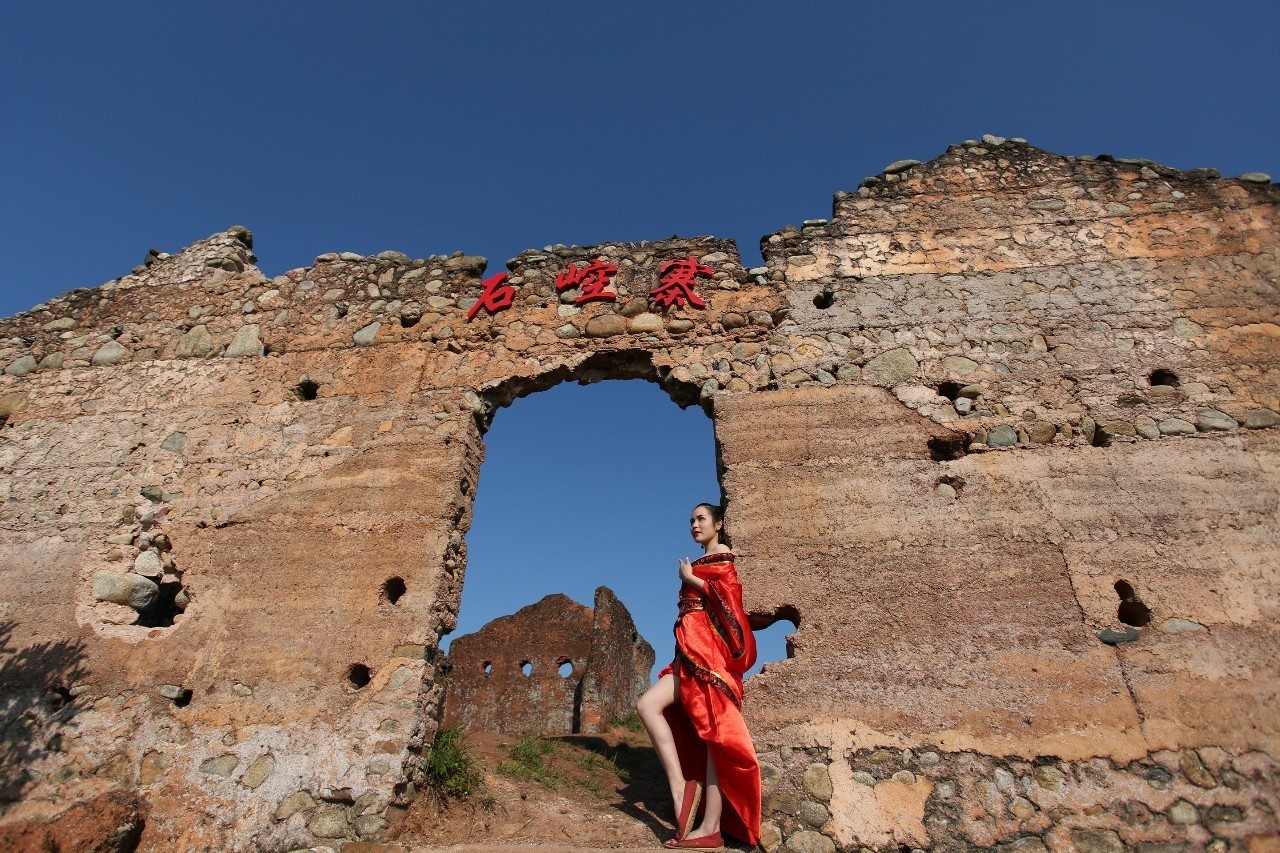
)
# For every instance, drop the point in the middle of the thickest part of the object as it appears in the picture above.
(950, 420)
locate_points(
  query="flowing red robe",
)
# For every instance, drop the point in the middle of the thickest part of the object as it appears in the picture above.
(714, 648)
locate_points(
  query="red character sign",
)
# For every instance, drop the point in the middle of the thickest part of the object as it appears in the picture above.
(676, 283)
(594, 277)
(496, 296)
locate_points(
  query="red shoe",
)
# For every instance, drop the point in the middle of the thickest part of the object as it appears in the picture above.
(688, 808)
(713, 843)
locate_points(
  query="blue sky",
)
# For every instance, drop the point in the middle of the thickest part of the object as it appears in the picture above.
(590, 485)
(494, 127)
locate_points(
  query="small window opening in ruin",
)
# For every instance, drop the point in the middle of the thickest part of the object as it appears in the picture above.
(359, 675)
(488, 667)
(565, 668)
(944, 448)
(306, 389)
(393, 589)
(1161, 376)
(1101, 438)
(825, 299)
(950, 390)
(773, 631)
(183, 699)
(526, 668)
(1131, 611)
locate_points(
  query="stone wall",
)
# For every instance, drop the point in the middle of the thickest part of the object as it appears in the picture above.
(554, 667)
(997, 437)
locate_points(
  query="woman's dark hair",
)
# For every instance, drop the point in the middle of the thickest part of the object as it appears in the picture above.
(717, 514)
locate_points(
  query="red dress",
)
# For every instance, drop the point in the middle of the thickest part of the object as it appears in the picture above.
(714, 648)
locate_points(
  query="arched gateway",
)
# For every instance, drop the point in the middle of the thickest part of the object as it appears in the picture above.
(997, 405)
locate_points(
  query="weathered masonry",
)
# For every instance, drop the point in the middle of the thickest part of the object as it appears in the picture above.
(999, 438)
(554, 667)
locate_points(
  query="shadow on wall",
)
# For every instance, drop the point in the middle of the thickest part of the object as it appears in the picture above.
(35, 702)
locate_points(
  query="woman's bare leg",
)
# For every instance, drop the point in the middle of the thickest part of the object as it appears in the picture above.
(714, 803)
(655, 700)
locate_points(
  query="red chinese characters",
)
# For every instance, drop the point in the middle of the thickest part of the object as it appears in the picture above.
(676, 281)
(496, 296)
(593, 278)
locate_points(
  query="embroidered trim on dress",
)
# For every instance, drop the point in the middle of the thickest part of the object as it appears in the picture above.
(689, 605)
(708, 676)
(725, 612)
(722, 557)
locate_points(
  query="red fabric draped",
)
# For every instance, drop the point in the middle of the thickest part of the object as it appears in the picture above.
(714, 648)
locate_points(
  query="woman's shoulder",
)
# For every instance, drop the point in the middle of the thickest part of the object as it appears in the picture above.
(725, 556)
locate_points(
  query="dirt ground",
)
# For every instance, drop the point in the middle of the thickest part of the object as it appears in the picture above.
(572, 791)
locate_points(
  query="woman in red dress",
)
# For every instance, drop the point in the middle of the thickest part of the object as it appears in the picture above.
(694, 713)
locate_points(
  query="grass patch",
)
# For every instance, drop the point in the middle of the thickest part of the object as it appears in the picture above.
(450, 768)
(544, 761)
(594, 787)
(631, 722)
(588, 760)
(529, 761)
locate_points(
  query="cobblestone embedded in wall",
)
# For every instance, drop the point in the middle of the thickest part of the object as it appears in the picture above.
(881, 799)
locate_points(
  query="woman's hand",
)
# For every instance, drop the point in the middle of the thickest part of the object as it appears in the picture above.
(687, 575)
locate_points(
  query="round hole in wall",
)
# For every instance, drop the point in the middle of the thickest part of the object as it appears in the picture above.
(1131, 610)
(526, 668)
(944, 448)
(824, 299)
(950, 390)
(306, 389)
(58, 697)
(565, 669)
(488, 667)
(1134, 613)
(359, 675)
(394, 589)
(1162, 376)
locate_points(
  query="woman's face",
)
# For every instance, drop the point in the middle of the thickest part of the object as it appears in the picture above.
(703, 527)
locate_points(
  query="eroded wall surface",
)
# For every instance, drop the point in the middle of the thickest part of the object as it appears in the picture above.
(950, 420)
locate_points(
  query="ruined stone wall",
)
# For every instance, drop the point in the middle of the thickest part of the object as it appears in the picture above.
(617, 672)
(488, 685)
(553, 667)
(950, 420)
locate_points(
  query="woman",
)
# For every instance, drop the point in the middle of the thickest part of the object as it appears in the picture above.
(694, 713)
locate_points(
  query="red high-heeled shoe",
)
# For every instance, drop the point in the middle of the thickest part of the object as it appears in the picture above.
(688, 808)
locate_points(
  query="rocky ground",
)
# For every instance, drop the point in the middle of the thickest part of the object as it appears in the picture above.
(601, 791)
